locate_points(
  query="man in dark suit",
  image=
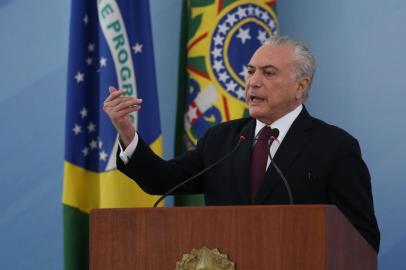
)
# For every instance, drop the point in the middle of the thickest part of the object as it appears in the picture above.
(321, 162)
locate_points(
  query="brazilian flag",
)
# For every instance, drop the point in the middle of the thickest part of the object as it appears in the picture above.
(219, 38)
(110, 44)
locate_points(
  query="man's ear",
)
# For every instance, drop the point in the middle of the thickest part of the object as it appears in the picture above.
(302, 86)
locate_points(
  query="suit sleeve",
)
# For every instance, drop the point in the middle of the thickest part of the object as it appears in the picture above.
(156, 176)
(350, 190)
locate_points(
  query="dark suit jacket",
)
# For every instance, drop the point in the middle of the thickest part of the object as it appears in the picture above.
(321, 162)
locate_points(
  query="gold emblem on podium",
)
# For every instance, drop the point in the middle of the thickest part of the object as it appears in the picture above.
(205, 259)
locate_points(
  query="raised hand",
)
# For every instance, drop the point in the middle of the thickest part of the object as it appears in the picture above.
(118, 107)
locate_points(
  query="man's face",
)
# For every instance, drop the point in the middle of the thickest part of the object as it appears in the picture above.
(271, 90)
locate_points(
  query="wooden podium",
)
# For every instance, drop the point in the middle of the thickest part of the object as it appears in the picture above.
(305, 237)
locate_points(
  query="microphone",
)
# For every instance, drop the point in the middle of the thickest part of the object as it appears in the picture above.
(243, 136)
(274, 136)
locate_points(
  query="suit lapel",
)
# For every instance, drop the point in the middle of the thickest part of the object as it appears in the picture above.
(241, 163)
(292, 145)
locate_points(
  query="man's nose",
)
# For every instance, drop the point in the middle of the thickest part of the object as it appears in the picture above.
(255, 80)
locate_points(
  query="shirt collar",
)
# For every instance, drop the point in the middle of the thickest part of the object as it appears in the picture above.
(283, 123)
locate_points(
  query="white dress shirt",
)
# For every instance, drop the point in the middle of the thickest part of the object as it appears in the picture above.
(283, 124)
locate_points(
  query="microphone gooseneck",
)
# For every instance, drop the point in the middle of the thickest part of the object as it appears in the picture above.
(274, 136)
(243, 136)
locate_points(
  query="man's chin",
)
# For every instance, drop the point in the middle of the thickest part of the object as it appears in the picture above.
(254, 113)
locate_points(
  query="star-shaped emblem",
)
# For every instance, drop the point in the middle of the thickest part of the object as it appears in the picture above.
(192, 114)
(85, 151)
(223, 28)
(83, 112)
(103, 61)
(91, 127)
(231, 86)
(258, 12)
(223, 77)
(262, 36)
(218, 66)
(265, 16)
(231, 19)
(216, 52)
(250, 10)
(243, 34)
(218, 40)
(89, 61)
(91, 47)
(99, 143)
(271, 24)
(241, 12)
(79, 77)
(103, 155)
(137, 48)
(77, 129)
(244, 72)
(85, 19)
(240, 93)
(93, 144)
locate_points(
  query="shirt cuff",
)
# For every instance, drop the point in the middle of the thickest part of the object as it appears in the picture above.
(127, 153)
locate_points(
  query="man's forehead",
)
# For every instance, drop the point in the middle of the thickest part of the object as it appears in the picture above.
(272, 55)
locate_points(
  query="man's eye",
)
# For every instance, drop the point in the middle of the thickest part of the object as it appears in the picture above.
(250, 72)
(269, 73)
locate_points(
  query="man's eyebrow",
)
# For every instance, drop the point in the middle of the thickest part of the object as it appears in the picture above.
(263, 67)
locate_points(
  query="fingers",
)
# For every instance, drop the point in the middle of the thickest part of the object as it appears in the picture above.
(117, 102)
(114, 93)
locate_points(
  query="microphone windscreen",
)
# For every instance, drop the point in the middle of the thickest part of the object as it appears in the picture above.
(275, 133)
(245, 131)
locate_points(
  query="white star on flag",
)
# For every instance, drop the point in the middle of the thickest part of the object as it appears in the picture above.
(216, 52)
(223, 28)
(243, 34)
(91, 127)
(85, 151)
(231, 19)
(77, 129)
(137, 48)
(192, 113)
(231, 86)
(103, 62)
(265, 16)
(100, 143)
(85, 19)
(79, 77)
(93, 144)
(89, 61)
(250, 10)
(218, 40)
(244, 72)
(241, 12)
(103, 155)
(240, 93)
(258, 12)
(218, 65)
(223, 77)
(262, 36)
(83, 112)
(91, 47)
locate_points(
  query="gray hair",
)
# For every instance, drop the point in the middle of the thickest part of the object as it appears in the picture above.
(305, 62)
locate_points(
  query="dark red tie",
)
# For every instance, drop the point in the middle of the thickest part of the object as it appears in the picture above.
(259, 158)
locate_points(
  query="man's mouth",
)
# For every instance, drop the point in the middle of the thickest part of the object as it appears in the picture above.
(256, 99)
